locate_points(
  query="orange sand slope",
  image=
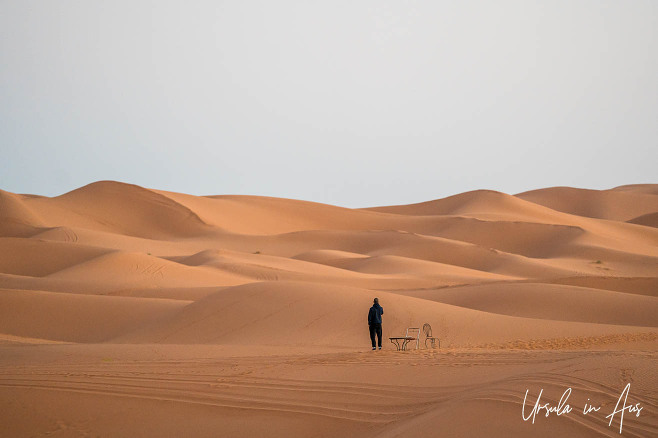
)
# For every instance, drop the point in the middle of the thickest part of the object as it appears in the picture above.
(174, 268)
(126, 311)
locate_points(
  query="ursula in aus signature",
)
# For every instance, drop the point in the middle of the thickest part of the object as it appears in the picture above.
(563, 407)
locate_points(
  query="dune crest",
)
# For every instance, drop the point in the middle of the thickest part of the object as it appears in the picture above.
(622, 203)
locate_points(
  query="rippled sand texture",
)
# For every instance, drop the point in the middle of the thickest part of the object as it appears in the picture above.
(126, 311)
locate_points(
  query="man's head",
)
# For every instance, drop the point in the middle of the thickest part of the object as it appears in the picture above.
(376, 301)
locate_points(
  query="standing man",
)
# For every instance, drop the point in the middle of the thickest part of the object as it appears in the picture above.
(375, 323)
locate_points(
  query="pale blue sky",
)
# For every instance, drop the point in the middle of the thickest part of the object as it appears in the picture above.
(354, 103)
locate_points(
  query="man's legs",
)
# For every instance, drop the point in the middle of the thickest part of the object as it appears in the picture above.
(372, 335)
(379, 336)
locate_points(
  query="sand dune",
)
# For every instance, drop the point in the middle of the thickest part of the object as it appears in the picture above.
(130, 269)
(552, 302)
(263, 215)
(16, 219)
(331, 316)
(37, 258)
(75, 317)
(391, 264)
(631, 285)
(120, 208)
(417, 246)
(127, 311)
(648, 220)
(512, 237)
(479, 203)
(258, 265)
(616, 204)
(649, 189)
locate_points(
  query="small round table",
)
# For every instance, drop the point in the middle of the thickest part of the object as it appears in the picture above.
(401, 342)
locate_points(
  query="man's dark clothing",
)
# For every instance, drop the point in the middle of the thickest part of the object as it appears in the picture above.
(375, 314)
(375, 324)
(376, 329)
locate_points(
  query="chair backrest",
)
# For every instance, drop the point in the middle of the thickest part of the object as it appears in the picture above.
(414, 332)
(427, 330)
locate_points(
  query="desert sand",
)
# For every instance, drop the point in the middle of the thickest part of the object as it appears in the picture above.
(134, 312)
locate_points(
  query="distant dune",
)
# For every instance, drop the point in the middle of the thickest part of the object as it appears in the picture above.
(114, 270)
(622, 203)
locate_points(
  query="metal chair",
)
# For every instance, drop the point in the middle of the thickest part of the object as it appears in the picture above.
(427, 330)
(414, 332)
